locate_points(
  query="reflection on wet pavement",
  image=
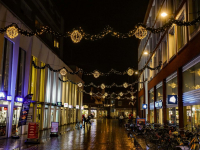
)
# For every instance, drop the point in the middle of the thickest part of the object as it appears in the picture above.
(103, 134)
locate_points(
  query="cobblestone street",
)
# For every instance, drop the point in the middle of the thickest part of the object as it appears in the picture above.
(103, 134)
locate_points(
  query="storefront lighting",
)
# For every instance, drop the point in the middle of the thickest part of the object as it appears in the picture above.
(65, 104)
(19, 99)
(193, 108)
(82, 107)
(173, 85)
(77, 106)
(3, 95)
(145, 52)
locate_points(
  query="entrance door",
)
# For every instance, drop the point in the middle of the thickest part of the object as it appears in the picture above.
(46, 118)
(3, 120)
(16, 115)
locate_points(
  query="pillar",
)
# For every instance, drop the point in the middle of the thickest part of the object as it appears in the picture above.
(155, 115)
(164, 102)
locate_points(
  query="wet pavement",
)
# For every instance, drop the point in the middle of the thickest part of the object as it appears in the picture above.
(103, 134)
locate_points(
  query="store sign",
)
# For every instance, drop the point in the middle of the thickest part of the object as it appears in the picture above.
(77, 106)
(3, 95)
(158, 104)
(54, 127)
(19, 99)
(144, 106)
(172, 99)
(65, 104)
(70, 106)
(140, 121)
(9, 98)
(33, 130)
(59, 104)
(82, 107)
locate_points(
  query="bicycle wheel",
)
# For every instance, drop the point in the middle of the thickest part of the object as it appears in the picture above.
(150, 142)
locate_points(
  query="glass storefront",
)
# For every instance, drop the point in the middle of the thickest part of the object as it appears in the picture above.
(16, 115)
(3, 120)
(151, 99)
(57, 114)
(46, 117)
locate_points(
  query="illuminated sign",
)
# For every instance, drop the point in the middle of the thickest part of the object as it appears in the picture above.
(65, 104)
(158, 104)
(9, 98)
(59, 103)
(70, 106)
(19, 99)
(82, 107)
(77, 106)
(172, 99)
(3, 95)
(144, 106)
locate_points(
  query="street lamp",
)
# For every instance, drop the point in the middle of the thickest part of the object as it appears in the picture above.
(163, 14)
(145, 52)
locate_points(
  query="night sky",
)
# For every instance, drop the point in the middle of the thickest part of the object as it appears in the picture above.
(109, 52)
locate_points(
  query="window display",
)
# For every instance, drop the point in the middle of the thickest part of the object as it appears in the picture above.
(3, 116)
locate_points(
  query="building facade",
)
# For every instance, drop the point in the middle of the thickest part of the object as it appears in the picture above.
(19, 77)
(178, 50)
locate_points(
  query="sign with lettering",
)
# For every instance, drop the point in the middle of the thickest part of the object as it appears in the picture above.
(19, 99)
(3, 95)
(65, 104)
(54, 127)
(158, 104)
(59, 104)
(172, 99)
(33, 130)
(77, 106)
(144, 106)
(140, 121)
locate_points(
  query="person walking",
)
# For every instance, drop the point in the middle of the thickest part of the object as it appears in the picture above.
(121, 120)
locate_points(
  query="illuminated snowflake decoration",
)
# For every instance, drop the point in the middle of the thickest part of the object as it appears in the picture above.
(76, 36)
(80, 84)
(63, 72)
(130, 72)
(141, 32)
(103, 86)
(96, 74)
(125, 85)
(12, 32)
(105, 94)
(121, 94)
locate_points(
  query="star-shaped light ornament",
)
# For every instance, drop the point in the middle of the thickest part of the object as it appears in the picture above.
(105, 94)
(96, 74)
(118, 97)
(125, 85)
(63, 71)
(80, 84)
(103, 86)
(130, 72)
(121, 94)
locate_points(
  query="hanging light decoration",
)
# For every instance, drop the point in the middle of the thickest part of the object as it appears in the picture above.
(125, 85)
(96, 74)
(105, 94)
(103, 86)
(118, 97)
(141, 32)
(63, 72)
(91, 93)
(173, 85)
(80, 84)
(76, 36)
(121, 94)
(12, 32)
(136, 72)
(103, 97)
(130, 72)
(132, 97)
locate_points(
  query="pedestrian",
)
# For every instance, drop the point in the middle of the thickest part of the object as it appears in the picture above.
(121, 119)
(83, 119)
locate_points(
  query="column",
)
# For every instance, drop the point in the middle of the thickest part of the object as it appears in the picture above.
(180, 100)
(155, 114)
(164, 102)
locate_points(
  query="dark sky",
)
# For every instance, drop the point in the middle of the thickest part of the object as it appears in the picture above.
(109, 52)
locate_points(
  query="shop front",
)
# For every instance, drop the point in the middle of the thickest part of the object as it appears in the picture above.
(3, 118)
(151, 101)
(16, 115)
(46, 112)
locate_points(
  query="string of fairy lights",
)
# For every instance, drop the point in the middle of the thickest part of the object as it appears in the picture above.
(63, 71)
(76, 35)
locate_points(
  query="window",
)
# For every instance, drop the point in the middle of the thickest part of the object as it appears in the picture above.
(38, 23)
(56, 43)
(181, 32)
(159, 93)
(191, 78)
(26, 10)
(42, 82)
(194, 12)
(33, 79)
(164, 51)
(141, 102)
(6, 66)
(151, 96)
(172, 42)
(19, 89)
(171, 6)
(119, 103)
(171, 87)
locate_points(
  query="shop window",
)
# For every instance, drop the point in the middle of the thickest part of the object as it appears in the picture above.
(172, 42)
(172, 87)
(48, 87)
(191, 78)
(151, 96)
(64, 90)
(33, 79)
(54, 88)
(42, 82)
(6, 66)
(59, 90)
(56, 43)
(119, 103)
(159, 93)
(19, 89)
(181, 33)
(194, 12)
